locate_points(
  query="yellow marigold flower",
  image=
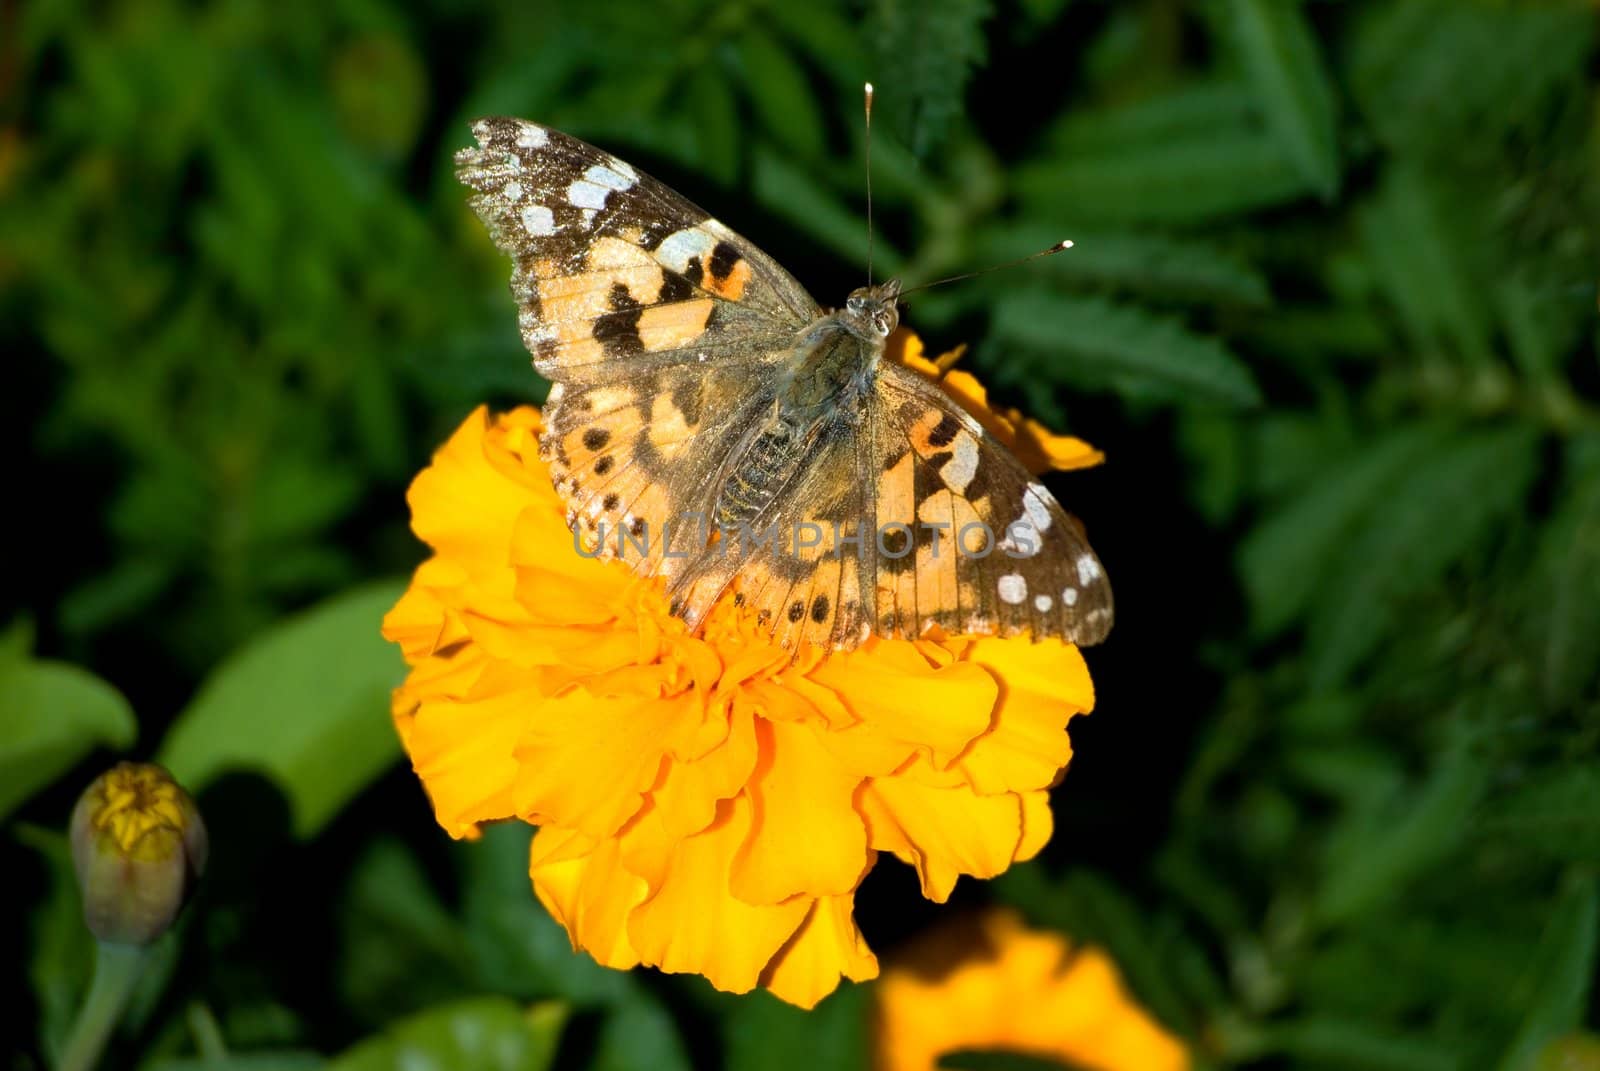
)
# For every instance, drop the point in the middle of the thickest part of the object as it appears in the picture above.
(992, 984)
(704, 804)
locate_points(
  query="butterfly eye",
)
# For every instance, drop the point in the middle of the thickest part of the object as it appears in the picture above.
(855, 304)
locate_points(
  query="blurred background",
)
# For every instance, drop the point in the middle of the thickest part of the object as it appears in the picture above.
(1330, 314)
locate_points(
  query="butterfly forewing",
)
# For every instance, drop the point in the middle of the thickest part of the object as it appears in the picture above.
(611, 270)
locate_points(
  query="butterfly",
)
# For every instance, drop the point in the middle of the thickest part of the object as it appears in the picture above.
(709, 423)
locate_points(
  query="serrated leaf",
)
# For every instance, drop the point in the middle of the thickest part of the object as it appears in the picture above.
(1558, 813)
(1099, 343)
(1192, 156)
(306, 703)
(1276, 44)
(782, 95)
(925, 53)
(1420, 259)
(791, 194)
(1555, 989)
(1430, 75)
(1448, 503)
(1283, 558)
(1569, 596)
(54, 715)
(482, 1034)
(1378, 851)
(1153, 265)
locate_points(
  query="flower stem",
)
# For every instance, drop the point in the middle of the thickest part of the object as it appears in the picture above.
(116, 968)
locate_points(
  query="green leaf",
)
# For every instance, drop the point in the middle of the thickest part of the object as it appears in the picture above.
(1375, 853)
(1188, 156)
(305, 703)
(1154, 265)
(1099, 343)
(765, 1034)
(792, 194)
(482, 1034)
(1449, 502)
(60, 948)
(1418, 250)
(1284, 557)
(1555, 989)
(638, 1035)
(1275, 42)
(925, 53)
(1567, 601)
(516, 947)
(400, 949)
(54, 715)
(783, 98)
(1557, 813)
(1324, 1041)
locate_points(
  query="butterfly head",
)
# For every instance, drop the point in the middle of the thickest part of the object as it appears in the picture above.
(873, 311)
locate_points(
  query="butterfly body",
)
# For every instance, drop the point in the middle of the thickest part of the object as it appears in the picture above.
(712, 425)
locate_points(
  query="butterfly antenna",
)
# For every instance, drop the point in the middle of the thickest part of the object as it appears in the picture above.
(1060, 247)
(869, 181)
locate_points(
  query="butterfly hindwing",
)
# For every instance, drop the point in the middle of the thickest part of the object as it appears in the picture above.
(614, 272)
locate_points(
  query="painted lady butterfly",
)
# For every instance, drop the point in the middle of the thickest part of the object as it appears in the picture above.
(713, 425)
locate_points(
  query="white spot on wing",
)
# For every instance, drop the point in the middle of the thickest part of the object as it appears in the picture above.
(1013, 589)
(1042, 603)
(601, 175)
(678, 247)
(585, 194)
(538, 221)
(963, 464)
(1034, 507)
(532, 137)
(1069, 596)
(513, 191)
(1088, 569)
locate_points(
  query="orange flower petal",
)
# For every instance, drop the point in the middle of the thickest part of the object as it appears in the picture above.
(693, 925)
(807, 837)
(999, 986)
(590, 894)
(942, 832)
(827, 946)
(1046, 684)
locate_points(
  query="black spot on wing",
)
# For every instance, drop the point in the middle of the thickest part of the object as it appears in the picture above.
(819, 609)
(595, 438)
(723, 258)
(944, 433)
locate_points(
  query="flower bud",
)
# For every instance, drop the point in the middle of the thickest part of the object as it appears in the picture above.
(138, 845)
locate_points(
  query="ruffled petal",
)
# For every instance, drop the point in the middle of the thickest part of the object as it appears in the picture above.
(693, 925)
(807, 838)
(827, 946)
(943, 832)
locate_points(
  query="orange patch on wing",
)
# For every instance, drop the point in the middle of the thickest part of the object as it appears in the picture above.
(730, 286)
(669, 428)
(666, 327)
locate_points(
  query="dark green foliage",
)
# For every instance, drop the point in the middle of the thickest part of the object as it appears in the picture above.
(1331, 314)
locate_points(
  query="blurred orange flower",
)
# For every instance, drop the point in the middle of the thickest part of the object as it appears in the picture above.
(705, 804)
(991, 984)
